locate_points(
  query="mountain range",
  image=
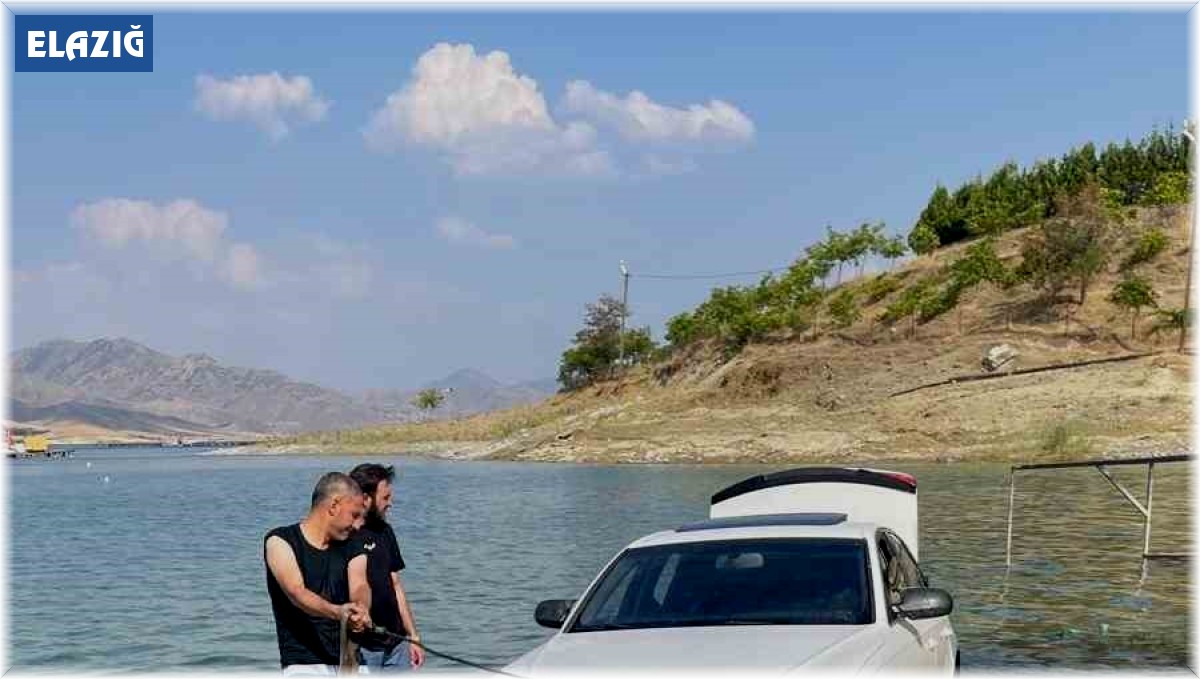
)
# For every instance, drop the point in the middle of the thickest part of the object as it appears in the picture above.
(121, 385)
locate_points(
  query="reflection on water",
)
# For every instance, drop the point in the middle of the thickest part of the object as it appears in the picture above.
(160, 568)
(1076, 594)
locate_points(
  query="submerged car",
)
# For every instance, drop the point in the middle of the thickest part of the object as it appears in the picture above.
(806, 568)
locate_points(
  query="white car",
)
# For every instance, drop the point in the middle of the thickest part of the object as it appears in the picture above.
(806, 568)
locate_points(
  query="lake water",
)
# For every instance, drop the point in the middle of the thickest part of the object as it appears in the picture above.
(159, 567)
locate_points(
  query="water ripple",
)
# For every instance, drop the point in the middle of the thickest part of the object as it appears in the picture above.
(162, 568)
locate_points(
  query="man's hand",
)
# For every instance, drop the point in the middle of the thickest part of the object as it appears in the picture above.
(416, 654)
(357, 616)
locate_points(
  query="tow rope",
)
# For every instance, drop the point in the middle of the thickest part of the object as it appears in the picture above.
(349, 661)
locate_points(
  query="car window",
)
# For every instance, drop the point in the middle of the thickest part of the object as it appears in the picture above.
(612, 593)
(729, 582)
(889, 566)
(910, 573)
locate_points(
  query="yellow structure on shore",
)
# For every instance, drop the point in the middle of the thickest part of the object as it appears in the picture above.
(26, 441)
(37, 444)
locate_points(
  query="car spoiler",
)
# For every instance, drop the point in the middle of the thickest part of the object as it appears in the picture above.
(885, 498)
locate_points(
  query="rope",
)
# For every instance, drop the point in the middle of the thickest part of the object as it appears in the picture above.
(347, 655)
(399, 638)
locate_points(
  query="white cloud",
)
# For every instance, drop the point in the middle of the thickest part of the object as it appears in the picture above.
(636, 117)
(180, 227)
(184, 223)
(484, 116)
(270, 101)
(462, 232)
(455, 95)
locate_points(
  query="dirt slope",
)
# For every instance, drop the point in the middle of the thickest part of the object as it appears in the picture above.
(804, 399)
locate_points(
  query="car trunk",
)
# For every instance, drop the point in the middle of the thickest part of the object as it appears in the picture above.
(864, 495)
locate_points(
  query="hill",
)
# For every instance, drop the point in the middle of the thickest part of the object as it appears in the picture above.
(94, 380)
(468, 392)
(803, 396)
(119, 389)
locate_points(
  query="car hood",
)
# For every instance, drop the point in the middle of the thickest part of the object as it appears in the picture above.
(764, 648)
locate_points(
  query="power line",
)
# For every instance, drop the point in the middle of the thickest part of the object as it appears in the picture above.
(692, 277)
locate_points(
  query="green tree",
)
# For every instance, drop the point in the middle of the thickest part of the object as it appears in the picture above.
(1155, 171)
(1070, 249)
(1133, 294)
(862, 242)
(941, 222)
(682, 330)
(923, 239)
(835, 250)
(909, 304)
(844, 309)
(978, 265)
(1148, 246)
(597, 346)
(890, 249)
(585, 364)
(1169, 320)
(1170, 188)
(428, 400)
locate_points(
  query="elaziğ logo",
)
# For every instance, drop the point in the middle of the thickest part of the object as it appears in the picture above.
(85, 42)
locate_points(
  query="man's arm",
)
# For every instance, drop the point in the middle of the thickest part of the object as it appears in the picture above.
(282, 563)
(406, 615)
(415, 651)
(360, 589)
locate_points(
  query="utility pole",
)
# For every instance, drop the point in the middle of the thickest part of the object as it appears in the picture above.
(624, 311)
(1188, 125)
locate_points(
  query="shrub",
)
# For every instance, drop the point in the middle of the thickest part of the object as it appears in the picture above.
(879, 287)
(843, 309)
(1063, 439)
(1148, 246)
(1170, 188)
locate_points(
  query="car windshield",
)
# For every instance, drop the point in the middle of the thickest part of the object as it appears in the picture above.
(733, 582)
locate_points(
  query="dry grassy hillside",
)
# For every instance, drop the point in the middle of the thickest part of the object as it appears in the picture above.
(830, 397)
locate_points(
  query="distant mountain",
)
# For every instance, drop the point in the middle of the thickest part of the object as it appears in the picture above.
(118, 384)
(196, 389)
(108, 417)
(548, 386)
(468, 391)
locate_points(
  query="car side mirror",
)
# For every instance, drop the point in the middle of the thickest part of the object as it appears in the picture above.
(553, 613)
(919, 603)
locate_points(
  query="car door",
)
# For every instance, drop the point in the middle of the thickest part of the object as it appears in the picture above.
(908, 643)
(930, 641)
(934, 636)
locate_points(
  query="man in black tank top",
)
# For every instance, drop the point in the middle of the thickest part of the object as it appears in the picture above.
(306, 578)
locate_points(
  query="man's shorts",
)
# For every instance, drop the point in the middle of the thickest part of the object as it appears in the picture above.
(376, 662)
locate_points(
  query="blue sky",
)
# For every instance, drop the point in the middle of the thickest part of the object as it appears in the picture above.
(365, 209)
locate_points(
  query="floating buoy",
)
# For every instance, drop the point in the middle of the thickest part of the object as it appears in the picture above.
(89, 465)
(106, 478)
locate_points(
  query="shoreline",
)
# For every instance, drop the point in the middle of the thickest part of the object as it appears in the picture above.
(501, 451)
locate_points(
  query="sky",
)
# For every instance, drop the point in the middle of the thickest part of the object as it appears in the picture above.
(376, 199)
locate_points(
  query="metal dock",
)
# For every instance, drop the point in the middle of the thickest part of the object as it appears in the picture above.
(1147, 510)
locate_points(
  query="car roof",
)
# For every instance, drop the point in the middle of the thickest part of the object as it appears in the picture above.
(843, 530)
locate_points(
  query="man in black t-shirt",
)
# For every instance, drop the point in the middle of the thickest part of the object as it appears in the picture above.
(306, 578)
(374, 577)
